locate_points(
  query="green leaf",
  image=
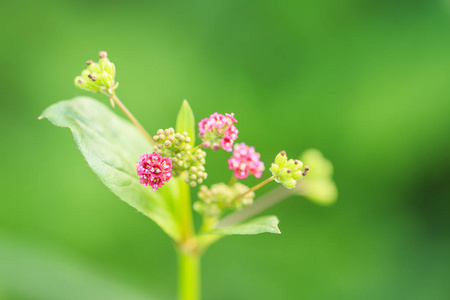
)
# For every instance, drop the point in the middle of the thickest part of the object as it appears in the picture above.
(186, 121)
(318, 186)
(112, 146)
(260, 225)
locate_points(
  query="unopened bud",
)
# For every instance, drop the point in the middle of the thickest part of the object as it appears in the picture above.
(297, 175)
(94, 68)
(289, 183)
(110, 68)
(298, 165)
(275, 169)
(84, 84)
(103, 54)
(107, 79)
(281, 159)
(290, 164)
(85, 73)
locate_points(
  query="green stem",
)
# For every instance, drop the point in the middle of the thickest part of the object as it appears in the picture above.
(185, 213)
(188, 276)
(129, 115)
(187, 246)
(232, 180)
(259, 185)
(196, 148)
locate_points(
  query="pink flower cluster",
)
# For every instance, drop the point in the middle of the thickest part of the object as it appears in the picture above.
(245, 161)
(154, 170)
(218, 131)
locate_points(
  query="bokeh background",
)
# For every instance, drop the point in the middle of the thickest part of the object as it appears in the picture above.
(366, 82)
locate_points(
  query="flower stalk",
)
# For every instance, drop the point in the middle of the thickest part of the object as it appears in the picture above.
(188, 275)
(130, 116)
(259, 185)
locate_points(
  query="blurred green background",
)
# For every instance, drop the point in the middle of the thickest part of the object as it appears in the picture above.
(366, 82)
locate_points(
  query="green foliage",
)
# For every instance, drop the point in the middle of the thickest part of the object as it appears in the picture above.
(319, 185)
(260, 225)
(186, 122)
(112, 146)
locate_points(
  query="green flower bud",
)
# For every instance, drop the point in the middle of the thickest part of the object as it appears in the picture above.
(284, 174)
(289, 183)
(85, 73)
(94, 68)
(84, 84)
(287, 172)
(298, 165)
(281, 158)
(107, 80)
(297, 175)
(94, 79)
(289, 164)
(275, 169)
(110, 68)
(102, 62)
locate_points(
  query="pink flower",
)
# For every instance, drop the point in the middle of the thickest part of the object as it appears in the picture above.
(245, 161)
(154, 170)
(218, 131)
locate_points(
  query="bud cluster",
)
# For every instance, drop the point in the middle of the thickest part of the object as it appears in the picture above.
(177, 147)
(218, 131)
(220, 197)
(287, 172)
(97, 75)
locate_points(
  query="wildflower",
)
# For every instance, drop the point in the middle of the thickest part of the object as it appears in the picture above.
(245, 161)
(287, 172)
(97, 76)
(218, 131)
(154, 170)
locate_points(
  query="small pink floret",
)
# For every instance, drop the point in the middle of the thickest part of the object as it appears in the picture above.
(221, 128)
(245, 161)
(154, 170)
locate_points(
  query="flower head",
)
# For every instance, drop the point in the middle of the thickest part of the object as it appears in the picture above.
(287, 172)
(245, 161)
(218, 131)
(97, 76)
(154, 170)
